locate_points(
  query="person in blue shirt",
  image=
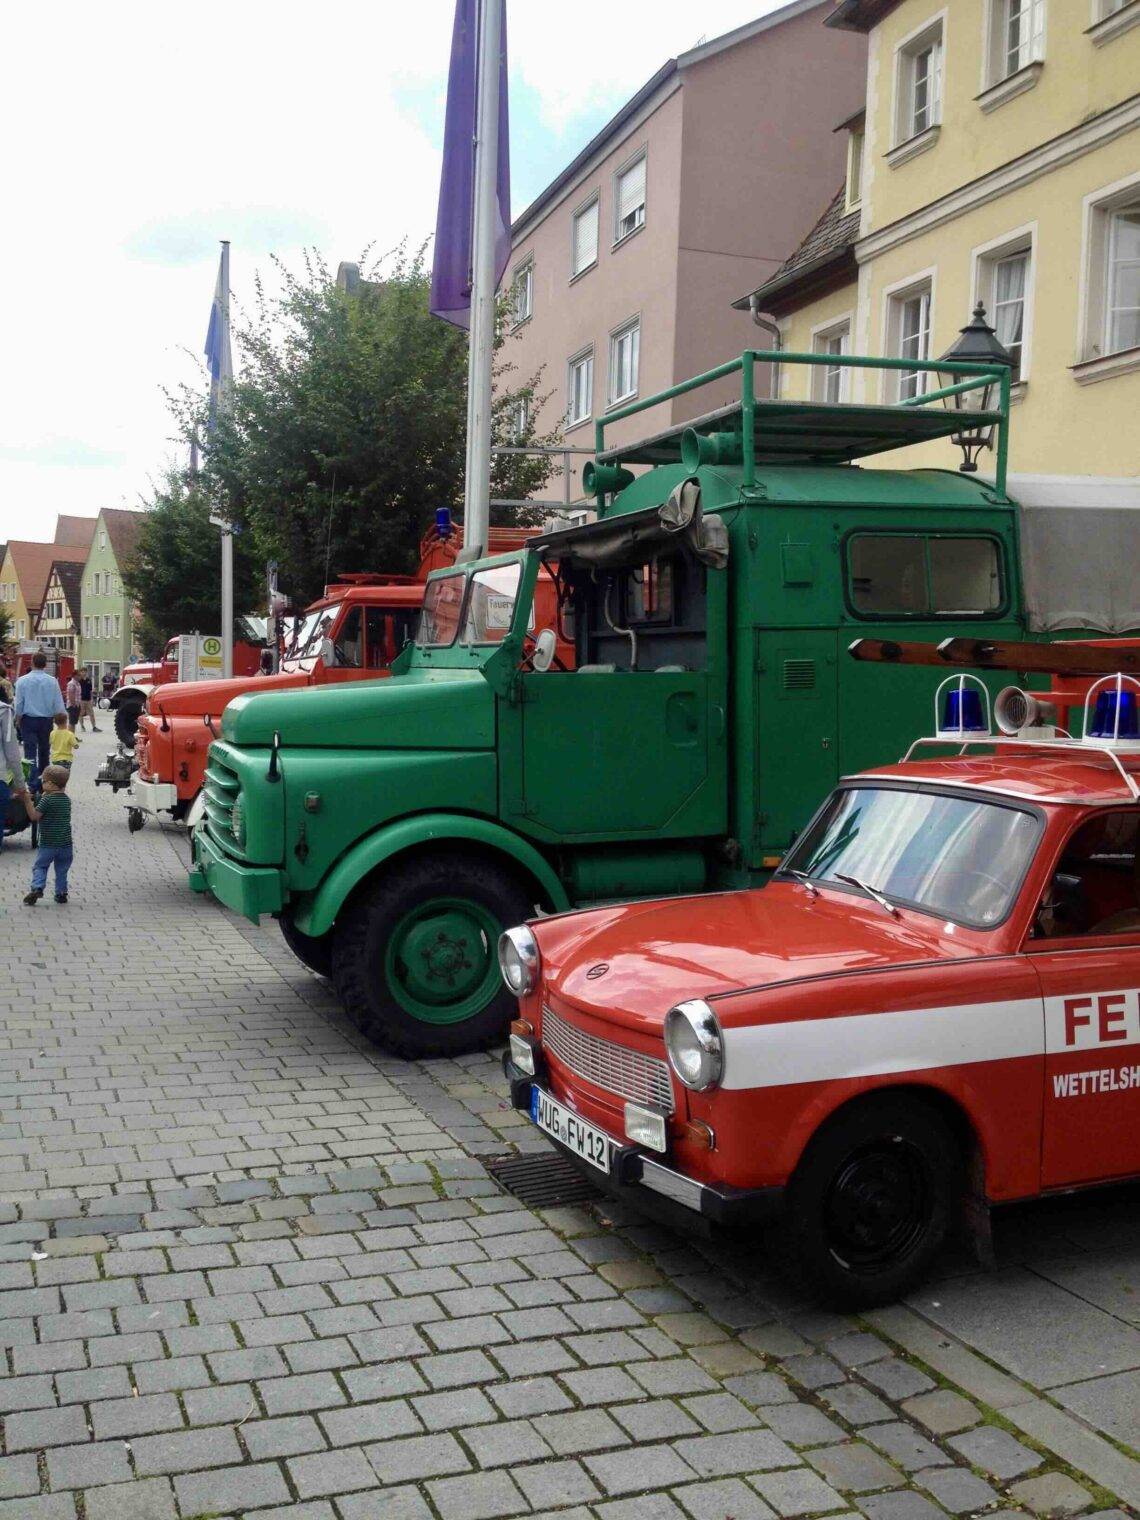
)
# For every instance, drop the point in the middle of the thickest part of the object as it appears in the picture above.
(38, 699)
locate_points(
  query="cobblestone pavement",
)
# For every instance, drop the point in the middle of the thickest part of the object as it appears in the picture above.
(250, 1267)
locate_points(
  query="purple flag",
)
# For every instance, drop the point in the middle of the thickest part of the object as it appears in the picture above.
(451, 267)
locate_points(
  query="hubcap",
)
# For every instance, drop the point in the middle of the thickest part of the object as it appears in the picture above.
(878, 1205)
(440, 963)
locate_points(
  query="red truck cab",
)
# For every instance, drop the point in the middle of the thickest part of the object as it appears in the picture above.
(352, 633)
(934, 1005)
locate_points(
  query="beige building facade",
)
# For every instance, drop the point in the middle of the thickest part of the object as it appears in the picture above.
(623, 270)
(998, 160)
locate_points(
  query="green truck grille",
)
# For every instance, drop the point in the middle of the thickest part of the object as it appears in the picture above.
(222, 787)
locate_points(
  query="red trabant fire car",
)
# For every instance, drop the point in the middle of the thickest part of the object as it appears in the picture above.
(934, 1003)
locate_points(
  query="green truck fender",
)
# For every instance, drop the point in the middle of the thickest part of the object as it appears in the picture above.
(317, 915)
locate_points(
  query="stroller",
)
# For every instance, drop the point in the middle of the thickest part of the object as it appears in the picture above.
(15, 819)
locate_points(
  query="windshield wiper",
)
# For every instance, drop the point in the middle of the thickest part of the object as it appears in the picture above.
(872, 892)
(804, 880)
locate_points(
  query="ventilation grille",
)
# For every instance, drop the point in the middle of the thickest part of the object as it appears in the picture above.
(542, 1181)
(615, 1068)
(799, 675)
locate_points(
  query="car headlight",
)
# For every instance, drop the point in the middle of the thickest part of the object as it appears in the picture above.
(237, 820)
(519, 960)
(694, 1044)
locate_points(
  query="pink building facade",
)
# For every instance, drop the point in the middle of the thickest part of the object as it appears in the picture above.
(624, 269)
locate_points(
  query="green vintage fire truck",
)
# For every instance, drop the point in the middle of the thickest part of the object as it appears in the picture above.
(394, 829)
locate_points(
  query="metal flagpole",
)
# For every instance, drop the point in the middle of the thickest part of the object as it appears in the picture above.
(227, 630)
(477, 486)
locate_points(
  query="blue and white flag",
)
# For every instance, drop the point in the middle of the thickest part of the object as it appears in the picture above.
(218, 342)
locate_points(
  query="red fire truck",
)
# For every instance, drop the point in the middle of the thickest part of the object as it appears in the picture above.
(933, 1007)
(352, 633)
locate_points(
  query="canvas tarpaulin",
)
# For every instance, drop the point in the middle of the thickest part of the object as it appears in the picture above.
(1080, 554)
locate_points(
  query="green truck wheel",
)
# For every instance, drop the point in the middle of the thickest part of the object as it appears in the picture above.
(415, 954)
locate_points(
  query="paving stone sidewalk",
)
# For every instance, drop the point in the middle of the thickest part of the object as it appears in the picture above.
(250, 1267)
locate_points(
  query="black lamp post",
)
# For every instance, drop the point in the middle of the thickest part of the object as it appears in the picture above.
(977, 343)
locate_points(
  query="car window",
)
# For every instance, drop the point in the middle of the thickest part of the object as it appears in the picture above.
(1095, 886)
(960, 858)
(350, 640)
(923, 575)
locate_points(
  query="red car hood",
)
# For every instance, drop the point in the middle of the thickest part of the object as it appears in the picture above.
(657, 954)
(196, 698)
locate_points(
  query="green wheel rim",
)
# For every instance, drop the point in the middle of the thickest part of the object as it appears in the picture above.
(441, 963)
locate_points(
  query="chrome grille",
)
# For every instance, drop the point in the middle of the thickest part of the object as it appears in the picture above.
(221, 788)
(616, 1068)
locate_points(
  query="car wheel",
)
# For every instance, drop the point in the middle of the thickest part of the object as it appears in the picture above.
(415, 956)
(136, 819)
(872, 1199)
(127, 716)
(313, 951)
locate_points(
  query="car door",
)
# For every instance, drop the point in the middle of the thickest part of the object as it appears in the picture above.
(1090, 979)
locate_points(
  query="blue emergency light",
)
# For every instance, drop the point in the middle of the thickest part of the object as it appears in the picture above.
(443, 521)
(966, 711)
(963, 712)
(1116, 716)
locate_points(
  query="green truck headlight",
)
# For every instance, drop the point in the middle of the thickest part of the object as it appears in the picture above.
(237, 820)
(694, 1044)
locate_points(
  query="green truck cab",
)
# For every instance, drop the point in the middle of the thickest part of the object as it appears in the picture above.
(395, 828)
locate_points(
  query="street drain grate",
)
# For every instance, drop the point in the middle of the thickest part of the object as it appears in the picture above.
(543, 1181)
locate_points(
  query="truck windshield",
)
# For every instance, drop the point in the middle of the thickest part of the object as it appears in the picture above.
(956, 857)
(310, 631)
(478, 609)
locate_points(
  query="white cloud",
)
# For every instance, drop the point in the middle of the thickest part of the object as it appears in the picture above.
(136, 135)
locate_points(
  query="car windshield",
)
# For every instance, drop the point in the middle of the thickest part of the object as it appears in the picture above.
(310, 631)
(484, 618)
(960, 858)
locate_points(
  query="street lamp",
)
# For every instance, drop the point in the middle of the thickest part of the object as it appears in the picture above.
(977, 343)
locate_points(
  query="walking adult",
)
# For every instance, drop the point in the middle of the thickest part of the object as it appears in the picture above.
(38, 699)
(86, 699)
(11, 764)
(73, 696)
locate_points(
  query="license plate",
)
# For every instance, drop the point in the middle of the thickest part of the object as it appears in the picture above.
(593, 1145)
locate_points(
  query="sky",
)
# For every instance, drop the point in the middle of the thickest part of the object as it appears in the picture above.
(138, 135)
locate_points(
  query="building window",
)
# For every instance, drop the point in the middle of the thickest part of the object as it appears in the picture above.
(1111, 7)
(629, 199)
(87, 627)
(1003, 286)
(1122, 307)
(522, 293)
(830, 381)
(584, 250)
(23, 625)
(106, 625)
(580, 390)
(118, 625)
(1017, 36)
(919, 83)
(625, 354)
(1112, 273)
(908, 337)
(102, 540)
(855, 141)
(522, 418)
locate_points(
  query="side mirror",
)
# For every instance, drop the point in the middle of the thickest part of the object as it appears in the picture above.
(545, 645)
(328, 653)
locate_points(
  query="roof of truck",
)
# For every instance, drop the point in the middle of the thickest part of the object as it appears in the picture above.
(810, 432)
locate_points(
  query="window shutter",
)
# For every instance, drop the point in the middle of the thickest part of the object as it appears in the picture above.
(585, 237)
(631, 190)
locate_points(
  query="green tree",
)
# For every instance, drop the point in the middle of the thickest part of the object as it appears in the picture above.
(174, 574)
(347, 424)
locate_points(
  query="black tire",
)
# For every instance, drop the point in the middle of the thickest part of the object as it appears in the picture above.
(872, 1199)
(361, 951)
(314, 952)
(127, 716)
(136, 819)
